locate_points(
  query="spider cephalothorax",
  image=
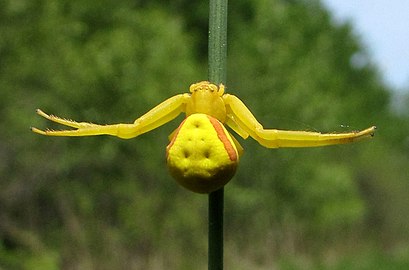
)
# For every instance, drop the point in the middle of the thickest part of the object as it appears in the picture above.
(207, 98)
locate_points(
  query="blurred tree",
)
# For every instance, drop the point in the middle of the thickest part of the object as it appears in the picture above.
(104, 203)
(85, 199)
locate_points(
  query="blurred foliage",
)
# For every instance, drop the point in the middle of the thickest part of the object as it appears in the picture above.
(106, 203)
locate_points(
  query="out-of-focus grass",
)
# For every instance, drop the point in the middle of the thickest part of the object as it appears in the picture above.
(373, 260)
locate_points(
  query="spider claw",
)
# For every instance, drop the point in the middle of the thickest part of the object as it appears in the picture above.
(373, 131)
(38, 131)
(41, 113)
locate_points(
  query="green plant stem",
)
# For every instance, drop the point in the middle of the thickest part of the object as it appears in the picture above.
(217, 74)
(217, 40)
(216, 201)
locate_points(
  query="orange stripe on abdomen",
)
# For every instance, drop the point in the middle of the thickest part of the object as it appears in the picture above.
(172, 141)
(231, 151)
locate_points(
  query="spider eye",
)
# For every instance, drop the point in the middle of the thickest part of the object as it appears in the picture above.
(212, 88)
(203, 85)
(207, 86)
(192, 87)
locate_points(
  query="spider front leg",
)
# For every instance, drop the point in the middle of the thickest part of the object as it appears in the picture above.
(124, 131)
(272, 138)
(159, 115)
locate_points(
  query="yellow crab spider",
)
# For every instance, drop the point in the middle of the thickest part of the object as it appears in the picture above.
(202, 155)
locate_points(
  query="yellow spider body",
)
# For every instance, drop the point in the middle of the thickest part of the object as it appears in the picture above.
(207, 105)
(202, 155)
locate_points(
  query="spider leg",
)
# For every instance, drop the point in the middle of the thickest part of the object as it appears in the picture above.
(85, 129)
(239, 148)
(231, 122)
(162, 113)
(65, 122)
(159, 115)
(124, 131)
(273, 138)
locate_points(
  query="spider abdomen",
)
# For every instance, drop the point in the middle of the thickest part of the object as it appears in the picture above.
(202, 156)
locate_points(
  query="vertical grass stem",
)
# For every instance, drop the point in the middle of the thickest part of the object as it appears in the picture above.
(217, 74)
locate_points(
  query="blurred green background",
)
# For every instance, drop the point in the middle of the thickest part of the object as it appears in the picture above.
(106, 203)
